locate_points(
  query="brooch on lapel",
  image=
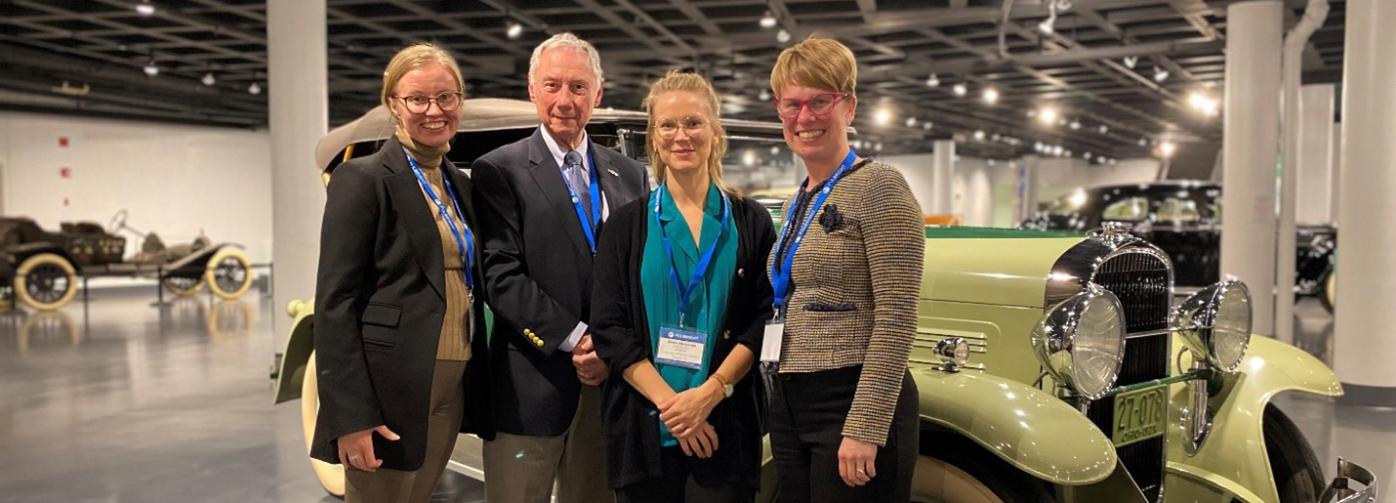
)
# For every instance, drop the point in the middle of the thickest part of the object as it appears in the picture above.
(613, 172)
(831, 220)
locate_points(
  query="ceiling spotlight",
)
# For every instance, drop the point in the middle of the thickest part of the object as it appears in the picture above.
(995, 137)
(782, 36)
(768, 21)
(960, 89)
(1075, 125)
(1037, 146)
(979, 135)
(145, 9)
(857, 144)
(878, 147)
(1103, 129)
(1130, 61)
(882, 116)
(1086, 156)
(208, 79)
(1047, 115)
(926, 125)
(990, 95)
(150, 69)
(910, 122)
(1167, 149)
(1160, 75)
(1057, 150)
(765, 95)
(1046, 25)
(513, 30)
(933, 81)
(1203, 103)
(775, 150)
(254, 89)
(1143, 142)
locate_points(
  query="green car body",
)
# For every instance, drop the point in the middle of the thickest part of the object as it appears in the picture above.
(987, 290)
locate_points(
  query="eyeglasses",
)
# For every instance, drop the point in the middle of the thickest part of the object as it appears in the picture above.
(819, 105)
(667, 129)
(448, 102)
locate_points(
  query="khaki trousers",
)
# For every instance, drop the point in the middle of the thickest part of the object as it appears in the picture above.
(443, 425)
(524, 469)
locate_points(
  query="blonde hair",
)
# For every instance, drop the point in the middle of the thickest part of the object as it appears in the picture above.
(569, 41)
(413, 57)
(818, 62)
(676, 81)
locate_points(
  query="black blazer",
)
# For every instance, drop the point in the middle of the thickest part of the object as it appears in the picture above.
(379, 301)
(620, 330)
(538, 273)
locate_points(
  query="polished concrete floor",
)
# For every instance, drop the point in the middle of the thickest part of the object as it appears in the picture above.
(124, 402)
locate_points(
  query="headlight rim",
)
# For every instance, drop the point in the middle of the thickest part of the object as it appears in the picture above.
(1054, 339)
(1195, 319)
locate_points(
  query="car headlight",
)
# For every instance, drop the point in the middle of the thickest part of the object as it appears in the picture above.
(1081, 341)
(1216, 323)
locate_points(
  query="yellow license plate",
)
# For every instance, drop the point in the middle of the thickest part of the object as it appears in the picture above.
(1140, 415)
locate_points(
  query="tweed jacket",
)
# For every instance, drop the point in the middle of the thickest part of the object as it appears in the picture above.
(855, 279)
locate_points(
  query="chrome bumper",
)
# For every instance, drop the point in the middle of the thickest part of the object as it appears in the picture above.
(1339, 492)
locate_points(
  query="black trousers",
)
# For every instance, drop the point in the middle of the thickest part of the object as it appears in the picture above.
(679, 484)
(807, 416)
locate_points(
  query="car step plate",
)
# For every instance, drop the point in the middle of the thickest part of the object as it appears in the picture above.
(1140, 415)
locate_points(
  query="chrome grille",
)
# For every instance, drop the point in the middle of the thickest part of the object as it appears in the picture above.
(1142, 281)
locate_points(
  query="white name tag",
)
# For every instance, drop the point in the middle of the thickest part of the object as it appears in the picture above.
(770, 342)
(681, 348)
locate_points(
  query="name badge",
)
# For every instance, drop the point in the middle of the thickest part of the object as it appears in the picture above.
(681, 348)
(770, 342)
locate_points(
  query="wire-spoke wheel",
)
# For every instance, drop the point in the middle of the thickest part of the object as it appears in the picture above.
(183, 286)
(229, 273)
(331, 476)
(46, 281)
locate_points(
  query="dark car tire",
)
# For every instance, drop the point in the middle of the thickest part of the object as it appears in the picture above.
(53, 277)
(1298, 476)
(952, 469)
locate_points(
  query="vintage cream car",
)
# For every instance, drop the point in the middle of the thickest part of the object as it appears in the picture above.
(1052, 367)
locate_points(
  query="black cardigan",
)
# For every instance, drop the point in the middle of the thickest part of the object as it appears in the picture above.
(620, 331)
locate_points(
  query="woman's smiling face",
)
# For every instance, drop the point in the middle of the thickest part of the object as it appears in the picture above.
(815, 134)
(683, 131)
(433, 127)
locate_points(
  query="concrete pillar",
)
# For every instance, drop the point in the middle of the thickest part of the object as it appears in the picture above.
(942, 179)
(1315, 186)
(299, 105)
(1363, 346)
(1250, 139)
(1025, 188)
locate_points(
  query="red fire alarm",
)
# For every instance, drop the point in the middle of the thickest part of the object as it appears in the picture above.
(62, 141)
(65, 172)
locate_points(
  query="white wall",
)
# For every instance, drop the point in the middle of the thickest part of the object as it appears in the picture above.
(174, 180)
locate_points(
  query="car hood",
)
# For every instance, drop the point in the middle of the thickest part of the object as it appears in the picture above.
(991, 266)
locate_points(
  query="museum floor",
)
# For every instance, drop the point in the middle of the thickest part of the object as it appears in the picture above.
(123, 402)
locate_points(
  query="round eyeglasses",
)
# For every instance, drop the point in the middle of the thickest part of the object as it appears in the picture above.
(818, 105)
(418, 104)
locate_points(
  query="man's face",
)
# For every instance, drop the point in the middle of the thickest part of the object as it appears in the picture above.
(565, 90)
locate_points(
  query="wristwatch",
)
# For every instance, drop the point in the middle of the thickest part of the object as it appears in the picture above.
(727, 387)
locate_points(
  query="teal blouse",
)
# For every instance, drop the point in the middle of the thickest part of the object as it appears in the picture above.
(707, 306)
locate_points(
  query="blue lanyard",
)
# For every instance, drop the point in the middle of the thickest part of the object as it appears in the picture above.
(780, 274)
(589, 222)
(465, 245)
(704, 261)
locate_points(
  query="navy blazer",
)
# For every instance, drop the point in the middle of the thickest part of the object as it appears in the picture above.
(379, 301)
(538, 274)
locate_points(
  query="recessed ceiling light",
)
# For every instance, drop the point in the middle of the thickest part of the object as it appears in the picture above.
(1047, 116)
(209, 80)
(514, 30)
(1103, 129)
(1075, 125)
(960, 89)
(1143, 142)
(782, 36)
(145, 9)
(768, 20)
(990, 95)
(926, 125)
(933, 81)
(254, 89)
(910, 122)
(765, 95)
(979, 135)
(1160, 75)
(882, 116)
(151, 70)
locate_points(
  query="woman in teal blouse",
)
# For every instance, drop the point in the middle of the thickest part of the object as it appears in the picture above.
(680, 300)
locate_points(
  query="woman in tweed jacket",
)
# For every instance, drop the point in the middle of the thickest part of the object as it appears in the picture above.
(846, 270)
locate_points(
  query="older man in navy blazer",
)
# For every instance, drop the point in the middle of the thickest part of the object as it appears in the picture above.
(542, 201)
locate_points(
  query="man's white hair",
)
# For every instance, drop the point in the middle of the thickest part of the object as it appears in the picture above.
(570, 41)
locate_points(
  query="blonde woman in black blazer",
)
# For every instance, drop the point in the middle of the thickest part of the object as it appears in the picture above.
(399, 320)
(843, 412)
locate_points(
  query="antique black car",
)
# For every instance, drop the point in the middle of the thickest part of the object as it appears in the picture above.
(42, 269)
(1183, 217)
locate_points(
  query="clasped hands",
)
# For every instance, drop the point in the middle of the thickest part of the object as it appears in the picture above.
(591, 370)
(686, 415)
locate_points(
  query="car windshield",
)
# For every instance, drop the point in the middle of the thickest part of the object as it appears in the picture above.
(1131, 209)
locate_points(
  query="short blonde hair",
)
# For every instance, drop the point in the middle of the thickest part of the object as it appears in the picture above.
(676, 81)
(818, 62)
(413, 57)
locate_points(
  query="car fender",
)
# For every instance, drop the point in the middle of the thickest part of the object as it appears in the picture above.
(1232, 458)
(1028, 428)
(27, 250)
(299, 346)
